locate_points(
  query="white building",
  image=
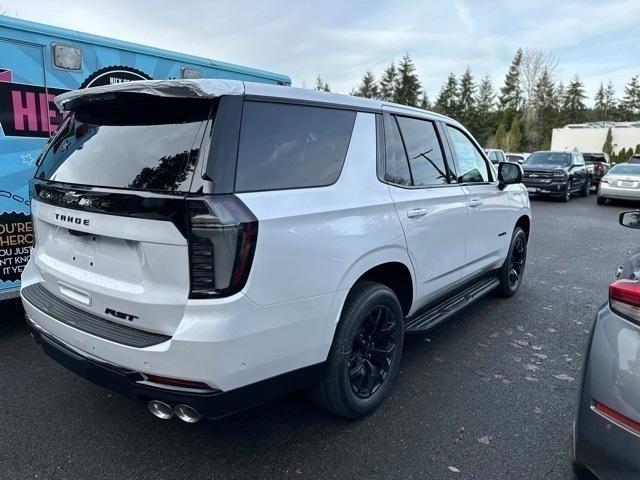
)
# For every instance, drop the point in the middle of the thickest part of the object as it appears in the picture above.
(590, 137)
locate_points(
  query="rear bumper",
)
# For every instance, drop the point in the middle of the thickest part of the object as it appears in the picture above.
(211, 405)
(607, 191)
(601, 444)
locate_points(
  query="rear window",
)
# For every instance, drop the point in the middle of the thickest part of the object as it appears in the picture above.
(134, 142)
(625, 169)
(291, 146)
(591, 158)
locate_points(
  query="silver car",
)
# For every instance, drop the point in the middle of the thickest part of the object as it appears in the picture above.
(621, 182)
(606, 434)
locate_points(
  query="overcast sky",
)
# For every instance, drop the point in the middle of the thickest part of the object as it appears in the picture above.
(599, 40)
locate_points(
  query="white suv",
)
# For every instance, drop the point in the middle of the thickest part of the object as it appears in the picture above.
(206, 245)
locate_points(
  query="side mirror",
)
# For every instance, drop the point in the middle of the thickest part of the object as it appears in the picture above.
(508, 174)
(630, 219)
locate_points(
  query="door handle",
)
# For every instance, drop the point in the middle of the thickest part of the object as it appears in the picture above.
(475, 202)
(417, 212)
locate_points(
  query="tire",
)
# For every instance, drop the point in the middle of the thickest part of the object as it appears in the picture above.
(601, 200)
(349, 386)
(582, 473)
(584, 191)
(567, 194)
(512, 270)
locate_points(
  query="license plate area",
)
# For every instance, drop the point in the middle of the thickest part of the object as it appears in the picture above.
(626, 184)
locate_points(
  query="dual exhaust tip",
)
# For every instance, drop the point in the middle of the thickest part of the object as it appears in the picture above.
(164, 411)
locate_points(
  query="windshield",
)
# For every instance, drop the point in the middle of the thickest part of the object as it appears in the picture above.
(549, 158)
(625, 169)
(136, 142)
(515, 158)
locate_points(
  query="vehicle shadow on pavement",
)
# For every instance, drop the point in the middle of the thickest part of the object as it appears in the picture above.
(12, 319)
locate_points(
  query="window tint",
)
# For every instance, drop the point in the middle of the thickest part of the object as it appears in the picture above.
(424, 152)
(291, 146)
(472, 167)
(133, 142)
(396, 166)
(549, 158)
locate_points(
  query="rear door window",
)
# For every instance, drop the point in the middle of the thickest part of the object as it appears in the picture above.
(424, 152)
(396, 164)
(286, 146)
(134, 142)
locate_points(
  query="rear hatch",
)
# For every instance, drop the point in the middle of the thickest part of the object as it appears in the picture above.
(110, 212)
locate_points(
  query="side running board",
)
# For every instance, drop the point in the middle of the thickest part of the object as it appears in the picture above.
(426, 320)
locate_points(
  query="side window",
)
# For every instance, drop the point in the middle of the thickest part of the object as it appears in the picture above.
(426, 160)
(396, 166)
(579, 159)
(472, 167)
(291, 146)
(493, 156)
(501, 157)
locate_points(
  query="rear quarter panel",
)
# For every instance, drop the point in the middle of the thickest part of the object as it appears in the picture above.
(318, 241)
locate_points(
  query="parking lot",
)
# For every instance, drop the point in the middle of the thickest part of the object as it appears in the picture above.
(489, 395)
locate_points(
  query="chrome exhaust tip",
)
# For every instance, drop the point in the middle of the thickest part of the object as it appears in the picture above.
(160, 409)
(187, 414)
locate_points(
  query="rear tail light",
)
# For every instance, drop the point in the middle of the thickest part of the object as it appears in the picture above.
(222, 240)
(624, 297)
(616, 416)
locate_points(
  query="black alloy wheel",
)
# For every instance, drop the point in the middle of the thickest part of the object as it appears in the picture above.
(586, 188)
(372, 352)
(516, 261)
(567, 193)
(364, 358)
(512, 270)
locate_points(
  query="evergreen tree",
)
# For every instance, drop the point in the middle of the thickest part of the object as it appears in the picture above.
(599, 103)
(630, 105)
(513, 141)
(368, 87)
(467, 101)
(388, 82)
(407, 89)
(558, 104)
(544, 106)
(637, 150)
(573, 105)
(608, 143)
(500, 136)
(447, 101)
(425, 104)
(605, 102)
(321, 85)
(485, 109)
(610, 102)
(510, 99)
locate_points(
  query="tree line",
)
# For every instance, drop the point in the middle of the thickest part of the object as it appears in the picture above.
(520, 115)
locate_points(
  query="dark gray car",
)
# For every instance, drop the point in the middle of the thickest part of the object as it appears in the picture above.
(606, 437)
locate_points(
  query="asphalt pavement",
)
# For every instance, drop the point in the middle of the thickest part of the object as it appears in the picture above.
(489, 395)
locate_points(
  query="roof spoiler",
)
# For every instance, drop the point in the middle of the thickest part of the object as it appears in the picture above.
(202, 88)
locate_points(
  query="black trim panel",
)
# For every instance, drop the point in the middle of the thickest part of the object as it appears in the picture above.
(39, 297)
(124, 203)
(211, 405)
